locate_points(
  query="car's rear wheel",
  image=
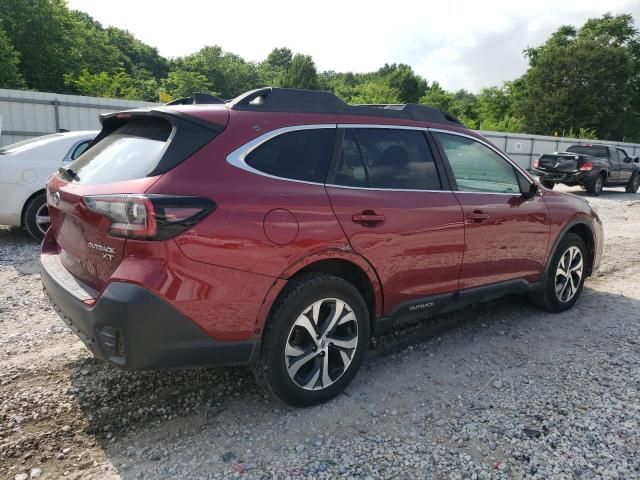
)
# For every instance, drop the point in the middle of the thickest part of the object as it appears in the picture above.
(36, 216)
(596, 186)
(548, 184)
(565, 276)
(314, 341)
(634, 184)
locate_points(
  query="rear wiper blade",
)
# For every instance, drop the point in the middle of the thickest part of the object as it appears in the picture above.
(68, 172)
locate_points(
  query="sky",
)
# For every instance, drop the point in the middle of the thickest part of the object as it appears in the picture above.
(468, 44)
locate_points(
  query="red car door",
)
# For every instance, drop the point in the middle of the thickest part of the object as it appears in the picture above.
(506, 232)
(387, 194)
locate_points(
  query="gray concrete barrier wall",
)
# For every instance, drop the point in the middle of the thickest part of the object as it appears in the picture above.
(25, 114)
(524, 148)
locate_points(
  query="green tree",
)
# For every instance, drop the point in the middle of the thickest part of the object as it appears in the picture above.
(280, 58)
(405, 81)
(137, 57)
(102, 84)
(375, 92)
(585, 78)
(437, 97)
(496, 110)
(301, 73)
(227, 73)
(10, 60)
(41, 31)
(180, 84)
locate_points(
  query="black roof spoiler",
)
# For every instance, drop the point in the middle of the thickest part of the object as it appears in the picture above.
(272, 99)
(198, 98)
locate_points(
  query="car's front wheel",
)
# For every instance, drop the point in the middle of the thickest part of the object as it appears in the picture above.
(36, 216)
(314, 341)
(565, 276)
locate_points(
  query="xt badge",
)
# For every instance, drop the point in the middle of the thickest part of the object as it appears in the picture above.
(107, 252)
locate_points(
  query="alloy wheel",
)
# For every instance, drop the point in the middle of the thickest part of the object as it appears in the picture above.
(321, 344)
(569, 274)
(42, 218)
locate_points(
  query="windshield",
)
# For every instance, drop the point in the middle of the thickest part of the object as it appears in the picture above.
(30, 143)
(593, 150)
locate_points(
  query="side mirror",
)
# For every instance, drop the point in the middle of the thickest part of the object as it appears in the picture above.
(534, 188)
(636, 159)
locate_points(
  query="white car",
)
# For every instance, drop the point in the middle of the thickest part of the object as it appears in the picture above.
(25, 168)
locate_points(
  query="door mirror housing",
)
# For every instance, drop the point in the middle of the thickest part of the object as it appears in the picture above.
(534, 188)
(636, 159)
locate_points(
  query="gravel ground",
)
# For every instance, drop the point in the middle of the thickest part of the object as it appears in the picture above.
(500, 390)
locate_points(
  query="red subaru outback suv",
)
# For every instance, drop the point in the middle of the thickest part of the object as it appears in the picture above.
(283, 229)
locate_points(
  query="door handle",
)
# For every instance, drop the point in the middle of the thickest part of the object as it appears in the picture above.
(367, 217)
(478, 216)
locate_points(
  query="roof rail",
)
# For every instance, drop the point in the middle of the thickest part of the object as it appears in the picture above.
(197, 98)
(272, 99)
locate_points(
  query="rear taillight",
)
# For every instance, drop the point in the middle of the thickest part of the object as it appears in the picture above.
(149, 217)
(586, 166)
(536, 163)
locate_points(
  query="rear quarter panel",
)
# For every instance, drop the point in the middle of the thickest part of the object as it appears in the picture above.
(234, 235)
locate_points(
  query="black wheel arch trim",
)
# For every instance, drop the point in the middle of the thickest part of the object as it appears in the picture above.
(562, 234)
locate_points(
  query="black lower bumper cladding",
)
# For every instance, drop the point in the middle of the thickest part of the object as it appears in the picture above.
(579, 177)
(131, 327)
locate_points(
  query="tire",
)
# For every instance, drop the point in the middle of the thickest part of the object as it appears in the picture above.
(302, 384)
(34, 214)
(547, 184)
(552, 297)
(634, 183)
(595, 188)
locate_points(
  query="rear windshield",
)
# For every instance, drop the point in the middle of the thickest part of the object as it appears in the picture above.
(593, 150)
(132, 151)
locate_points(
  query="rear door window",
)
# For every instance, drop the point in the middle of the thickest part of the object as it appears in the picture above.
(79, 150)
(351, 171)
(386, 158)
(132, 151)
(297, 155)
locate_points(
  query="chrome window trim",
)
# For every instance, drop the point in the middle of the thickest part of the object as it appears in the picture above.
(517, 194)
(237, 157)
(376, 125)
(388, 189)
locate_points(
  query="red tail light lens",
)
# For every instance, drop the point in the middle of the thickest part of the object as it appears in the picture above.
(149, 217)
(585, 167)
(536, 163)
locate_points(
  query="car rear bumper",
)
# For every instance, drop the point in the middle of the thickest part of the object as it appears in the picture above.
(131, 327)
(558, 177)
